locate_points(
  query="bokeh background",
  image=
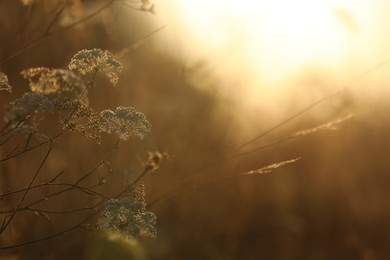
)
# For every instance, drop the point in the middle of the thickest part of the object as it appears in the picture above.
(224, 84)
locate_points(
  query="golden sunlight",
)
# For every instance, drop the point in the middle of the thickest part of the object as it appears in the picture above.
(269, 42)
(288, 33)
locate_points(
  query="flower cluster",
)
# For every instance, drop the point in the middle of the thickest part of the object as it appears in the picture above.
(29, 128)
(125, 122)
(77, 115)
(27, 105)
(57, 84)
(96, 60)
(4, 85)
(128, 216)
(65, 92)
(23, 111)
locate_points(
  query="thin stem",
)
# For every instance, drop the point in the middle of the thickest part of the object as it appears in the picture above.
(29, 186)
(33, 147)
(71, 186)
(65, 231)
(48, 32)
(59, 212)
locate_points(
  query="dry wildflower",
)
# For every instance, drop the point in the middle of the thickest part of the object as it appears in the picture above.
(77, 115)
(27, 105)
(155, 159)
(4, 85)
(128, 216)
(332, 125)
(96, 60)
(65, 89)
(29, 129)
(271, 167)
(125, 122)
(57, 84)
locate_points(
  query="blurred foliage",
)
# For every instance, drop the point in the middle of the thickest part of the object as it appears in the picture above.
(101, 247)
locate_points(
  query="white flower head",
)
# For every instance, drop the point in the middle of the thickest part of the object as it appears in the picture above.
(28, 104)
(29, 129)
(96, 60)
(57, 84)
(125, 122)
(128, 216)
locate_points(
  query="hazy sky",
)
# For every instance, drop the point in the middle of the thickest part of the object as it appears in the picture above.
(280, 36)
(262, 51)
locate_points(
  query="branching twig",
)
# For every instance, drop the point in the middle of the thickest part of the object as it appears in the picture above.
(13, 155)
(49, 33)
(29, 186)
(65, 231)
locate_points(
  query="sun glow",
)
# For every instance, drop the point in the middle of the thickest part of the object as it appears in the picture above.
(277, 36)
(268, 48)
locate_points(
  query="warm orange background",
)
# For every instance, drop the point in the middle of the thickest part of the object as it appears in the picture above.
(215, 77)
